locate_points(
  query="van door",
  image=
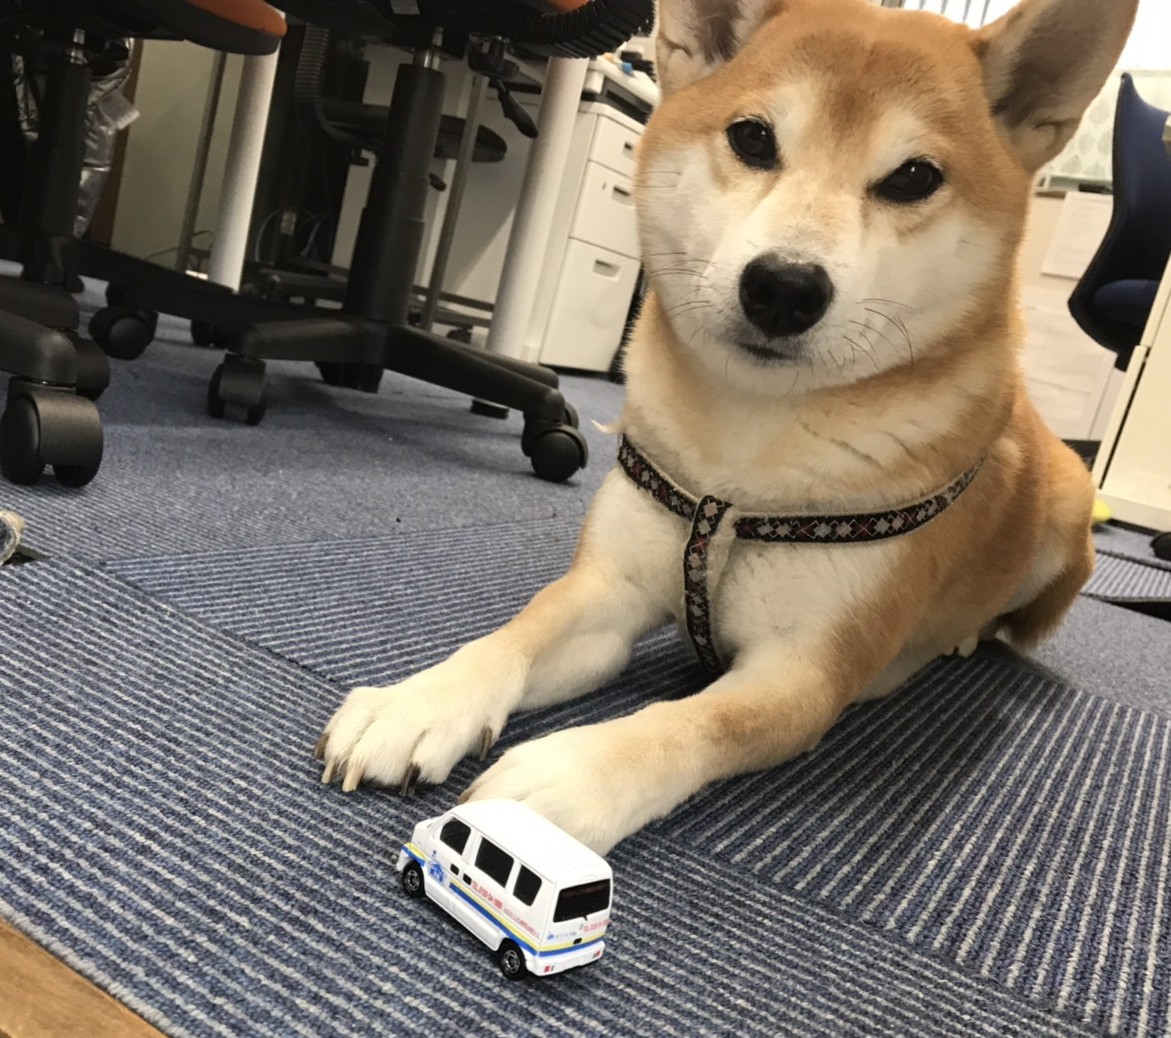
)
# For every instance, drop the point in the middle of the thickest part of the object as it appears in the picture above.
(490, 875)
(447, 866)
(526, 904)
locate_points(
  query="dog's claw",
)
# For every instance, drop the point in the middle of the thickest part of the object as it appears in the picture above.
(407, 788)
(353, 779)
(327, 772)
(319, 748)
(466, 795)
(487, 741)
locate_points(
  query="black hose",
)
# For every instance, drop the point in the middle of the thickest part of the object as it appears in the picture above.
(307, 87)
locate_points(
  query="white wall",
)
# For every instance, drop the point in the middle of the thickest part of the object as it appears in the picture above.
(160, 148)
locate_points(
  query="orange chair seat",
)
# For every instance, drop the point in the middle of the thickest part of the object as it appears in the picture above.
(252, 14)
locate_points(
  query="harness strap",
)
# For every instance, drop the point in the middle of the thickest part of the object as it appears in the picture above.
(706, 549)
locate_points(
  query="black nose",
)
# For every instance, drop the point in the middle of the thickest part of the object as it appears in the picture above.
(784, 298)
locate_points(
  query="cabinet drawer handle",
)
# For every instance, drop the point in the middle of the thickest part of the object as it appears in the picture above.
(606, 270)
(622, 194)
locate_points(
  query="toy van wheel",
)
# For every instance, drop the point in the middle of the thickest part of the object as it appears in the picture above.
(413, 879)
(511, 961)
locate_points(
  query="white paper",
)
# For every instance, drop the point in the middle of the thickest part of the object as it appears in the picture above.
(1080, 230)
(1067, 372)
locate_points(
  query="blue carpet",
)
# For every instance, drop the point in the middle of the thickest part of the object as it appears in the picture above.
(325, 463)
(985, 853)
(1121, 578)
(1122, 540)
(1112, 652)
(953, 878)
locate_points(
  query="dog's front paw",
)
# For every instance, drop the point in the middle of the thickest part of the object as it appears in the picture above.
(585, 780)
(414, 731)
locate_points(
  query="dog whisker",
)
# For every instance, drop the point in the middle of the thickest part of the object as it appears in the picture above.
(900, 325)
(687, 306)
(854, 342)
(865, 326)
(891, 302)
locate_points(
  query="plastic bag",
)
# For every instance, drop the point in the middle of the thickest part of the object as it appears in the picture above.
(107, 113)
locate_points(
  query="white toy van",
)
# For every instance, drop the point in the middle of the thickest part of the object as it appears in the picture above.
(527, 889)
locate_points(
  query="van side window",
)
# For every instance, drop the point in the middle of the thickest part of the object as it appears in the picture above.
(493, 861)
(582, 900)
(455, 834)
(527, 886)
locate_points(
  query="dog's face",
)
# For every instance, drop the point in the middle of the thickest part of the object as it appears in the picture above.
(830, 188)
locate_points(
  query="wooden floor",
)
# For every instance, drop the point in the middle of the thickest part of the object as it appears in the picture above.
(41, 997)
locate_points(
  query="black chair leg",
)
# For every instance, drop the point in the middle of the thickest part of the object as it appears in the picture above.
(550, 439)
(139, 290)
(501, 380)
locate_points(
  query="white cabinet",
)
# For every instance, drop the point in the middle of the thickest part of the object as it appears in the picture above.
(591, 263)
(589, 307)
(591, 266)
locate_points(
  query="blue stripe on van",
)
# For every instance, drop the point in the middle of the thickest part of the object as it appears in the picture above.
(500, 926)
(514, 935)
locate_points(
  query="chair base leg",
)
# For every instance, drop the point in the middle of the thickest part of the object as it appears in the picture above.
(464, 369)
(550, 440)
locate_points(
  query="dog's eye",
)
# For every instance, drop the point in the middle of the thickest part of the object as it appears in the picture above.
(754, 143)
(913, 181)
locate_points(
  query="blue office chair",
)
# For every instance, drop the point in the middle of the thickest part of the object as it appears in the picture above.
(1114, 297)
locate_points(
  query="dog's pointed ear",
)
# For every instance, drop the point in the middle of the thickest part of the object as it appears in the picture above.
(696, 36)
(1044, 62)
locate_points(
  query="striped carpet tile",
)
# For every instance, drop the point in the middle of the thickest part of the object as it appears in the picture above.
(325, 464)
(366, 611)
(163, 831)
(1119, 540)
(1120, 578)
(372, 610)
(988, 815)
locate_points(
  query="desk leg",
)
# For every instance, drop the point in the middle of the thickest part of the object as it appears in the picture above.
(529, 238)
(455, 195)
(242, 168)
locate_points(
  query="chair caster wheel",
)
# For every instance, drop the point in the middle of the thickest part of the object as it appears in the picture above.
(366, 377)
(487, 409)
(93, 368)
(123, 331)
(238, 381)
(557, 452)
(49, 427)
(203, 333)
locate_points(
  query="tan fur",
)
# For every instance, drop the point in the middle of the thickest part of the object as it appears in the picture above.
(881, 404)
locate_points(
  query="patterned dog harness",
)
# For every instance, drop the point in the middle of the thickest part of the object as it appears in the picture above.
(709, 541)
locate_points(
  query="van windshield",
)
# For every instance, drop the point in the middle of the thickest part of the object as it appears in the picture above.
(582, 900)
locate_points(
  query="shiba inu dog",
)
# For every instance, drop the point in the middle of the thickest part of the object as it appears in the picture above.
(830, 473)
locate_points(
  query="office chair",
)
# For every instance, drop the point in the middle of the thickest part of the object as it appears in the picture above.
(318, 124)
(50, 417)
(372, 328)
(1113, 299)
